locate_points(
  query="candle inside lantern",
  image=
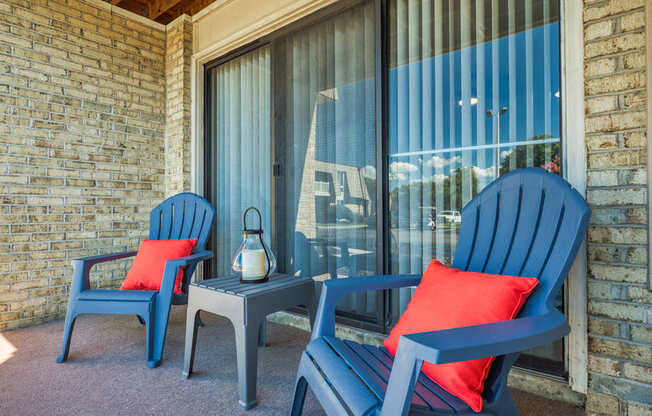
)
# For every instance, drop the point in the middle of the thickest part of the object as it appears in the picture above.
(253, 263)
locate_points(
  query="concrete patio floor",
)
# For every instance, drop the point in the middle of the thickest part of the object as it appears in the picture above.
(106, 372)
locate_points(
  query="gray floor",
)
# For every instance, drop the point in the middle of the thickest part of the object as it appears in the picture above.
(106, 372)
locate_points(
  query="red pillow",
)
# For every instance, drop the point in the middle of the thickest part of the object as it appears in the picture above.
(450, 298)
(147, 271)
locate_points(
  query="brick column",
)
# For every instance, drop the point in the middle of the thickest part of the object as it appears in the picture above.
(177, 127)
(620, 337)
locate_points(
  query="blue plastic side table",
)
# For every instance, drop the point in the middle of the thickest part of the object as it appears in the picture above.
(246, 305)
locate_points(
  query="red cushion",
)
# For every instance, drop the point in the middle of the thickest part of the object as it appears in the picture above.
(147, 271)
(450, 298)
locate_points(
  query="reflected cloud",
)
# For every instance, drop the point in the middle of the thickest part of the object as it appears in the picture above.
(436, 162)
(399, 170)
(436, 178)
(484, 172)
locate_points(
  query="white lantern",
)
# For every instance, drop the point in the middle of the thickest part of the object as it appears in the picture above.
(254, 262)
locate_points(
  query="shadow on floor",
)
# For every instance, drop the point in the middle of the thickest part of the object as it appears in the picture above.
(106, 372)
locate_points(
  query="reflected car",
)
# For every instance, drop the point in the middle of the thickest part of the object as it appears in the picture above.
(453, 217)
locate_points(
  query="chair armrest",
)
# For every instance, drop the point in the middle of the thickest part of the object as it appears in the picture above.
(102, 258)
(488, 340)
(82, 267)
(191, 259)
(172, 269)
(463, 344)
(334, 290)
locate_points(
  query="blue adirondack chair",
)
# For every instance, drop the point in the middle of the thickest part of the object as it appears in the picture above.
(527, 223)
(182, 216)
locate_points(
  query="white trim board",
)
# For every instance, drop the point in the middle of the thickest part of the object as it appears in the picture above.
(572, 67)
(265, 26)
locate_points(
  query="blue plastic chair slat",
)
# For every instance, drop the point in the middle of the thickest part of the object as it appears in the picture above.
(179, 217)
(559, 259)
(166, 221)
(488, 210)
(443, 400)
(374, 365)
(189, 217)
(510, 209)
(199, 230)
(448, 399)
(384, 360)
(544, 240)
(468, 229)
(357, 397)
(531, 204)
(154, 224)
(372, 379)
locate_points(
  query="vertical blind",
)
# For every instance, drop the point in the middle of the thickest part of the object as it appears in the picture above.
(241, 145)
(473, 94)
(458, 69)
(326, 149)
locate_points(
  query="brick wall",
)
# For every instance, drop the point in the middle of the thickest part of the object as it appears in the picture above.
(177, 126)
(620, 336)
(82, 92)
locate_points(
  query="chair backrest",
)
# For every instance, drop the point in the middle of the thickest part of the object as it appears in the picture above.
(182, 216)
(527, 223)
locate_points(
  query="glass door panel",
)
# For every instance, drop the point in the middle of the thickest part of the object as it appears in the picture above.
(473, 94)
(325, 148)
(238, 145)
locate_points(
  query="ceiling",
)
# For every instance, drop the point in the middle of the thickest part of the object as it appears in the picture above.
(162, 11)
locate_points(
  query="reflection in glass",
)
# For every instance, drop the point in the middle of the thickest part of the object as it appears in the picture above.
(473, 94)
(325, 145)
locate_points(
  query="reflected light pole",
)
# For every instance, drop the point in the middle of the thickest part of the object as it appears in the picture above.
(497, 115)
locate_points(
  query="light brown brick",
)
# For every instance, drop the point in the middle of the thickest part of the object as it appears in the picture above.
(66, 129)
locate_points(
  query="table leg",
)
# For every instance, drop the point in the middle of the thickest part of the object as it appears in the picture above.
(192, 323)
(312, 312)
(246, 343)
(262, 334)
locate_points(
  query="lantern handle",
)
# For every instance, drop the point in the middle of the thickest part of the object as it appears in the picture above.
(259, 231)
(244, 219)
(267, 257)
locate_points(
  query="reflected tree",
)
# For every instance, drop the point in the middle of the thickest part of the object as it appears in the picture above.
(544, 155)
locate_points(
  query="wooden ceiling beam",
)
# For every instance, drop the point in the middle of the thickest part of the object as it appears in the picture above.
(158, 7)
(162, 11)
(194, 6)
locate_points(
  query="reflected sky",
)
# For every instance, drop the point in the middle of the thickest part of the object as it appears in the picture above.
(431, 122)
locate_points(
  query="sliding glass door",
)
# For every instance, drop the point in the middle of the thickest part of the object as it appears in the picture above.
(463, 91)
(473, 94)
